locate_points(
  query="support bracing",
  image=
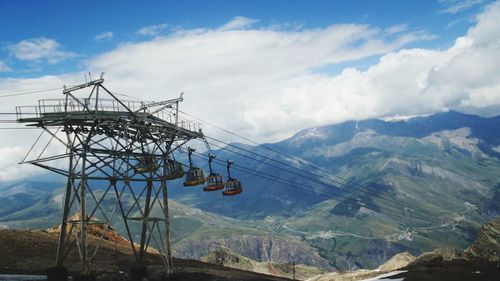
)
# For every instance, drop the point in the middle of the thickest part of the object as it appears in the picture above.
(116, 151)
(65, 214)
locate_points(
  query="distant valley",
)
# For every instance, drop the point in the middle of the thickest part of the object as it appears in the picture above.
(370, 190)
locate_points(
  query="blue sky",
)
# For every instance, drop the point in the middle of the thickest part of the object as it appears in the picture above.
(74, 25)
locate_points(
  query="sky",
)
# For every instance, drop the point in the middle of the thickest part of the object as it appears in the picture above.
(263, 69)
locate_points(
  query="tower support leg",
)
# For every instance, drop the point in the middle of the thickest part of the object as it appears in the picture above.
(144, 230)
(59, 272)
(64, 223)
(139, 271)
(168, 254)
(84, 221)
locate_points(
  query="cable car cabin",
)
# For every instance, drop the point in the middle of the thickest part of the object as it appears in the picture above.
(233, 187)
(174, 170)
(146, 165)
(194, 177)
(214, 182)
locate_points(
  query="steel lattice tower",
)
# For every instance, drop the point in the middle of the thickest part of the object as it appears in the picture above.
(116, 151)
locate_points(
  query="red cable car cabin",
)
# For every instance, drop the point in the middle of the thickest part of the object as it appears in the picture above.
(233, 186)
(214, 180)
(194, 176)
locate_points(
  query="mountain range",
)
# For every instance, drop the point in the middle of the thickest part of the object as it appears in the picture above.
(343, 196)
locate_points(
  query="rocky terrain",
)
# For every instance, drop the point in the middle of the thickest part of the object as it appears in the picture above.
(445, 263)
(487, 244)
(260, 248)
(480, 261)
(225, 257)
(32, 251)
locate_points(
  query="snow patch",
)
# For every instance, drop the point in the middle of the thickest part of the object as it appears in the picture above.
(313, 133)
(383, 276)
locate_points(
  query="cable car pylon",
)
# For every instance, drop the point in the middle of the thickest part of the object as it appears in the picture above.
(116, 151)
(214, 180)
(233, 185)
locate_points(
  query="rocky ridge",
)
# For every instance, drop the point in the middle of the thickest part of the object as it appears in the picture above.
(487, 244)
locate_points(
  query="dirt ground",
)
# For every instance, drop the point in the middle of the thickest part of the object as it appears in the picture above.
(31, 252)
(456, 270)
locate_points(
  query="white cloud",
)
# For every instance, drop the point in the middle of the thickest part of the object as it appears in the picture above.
(232, 70)
(4, 67)
(456, 6)
(238, 23)
(152, 30)
(261, 84)
(104, 36)
(396, 29)
(262, 78)
(14, 144)
(38, 50)
(465, 77)
(10, 169)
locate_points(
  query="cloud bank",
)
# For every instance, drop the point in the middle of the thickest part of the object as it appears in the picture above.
(267, 83)
(262, 82)
(243, 78)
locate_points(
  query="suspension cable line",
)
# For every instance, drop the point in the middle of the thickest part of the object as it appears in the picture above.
(342, 193)
(270, 164)
(424, 213)
(328, 185)
(277, 161)
(13, 94)
(261, 145)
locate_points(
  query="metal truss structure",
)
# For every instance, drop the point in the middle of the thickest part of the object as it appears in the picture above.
(118, 157)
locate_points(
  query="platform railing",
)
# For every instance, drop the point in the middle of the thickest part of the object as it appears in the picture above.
(53, 106)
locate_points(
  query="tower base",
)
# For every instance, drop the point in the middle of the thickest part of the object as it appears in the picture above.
(57, 273)
(138, 272)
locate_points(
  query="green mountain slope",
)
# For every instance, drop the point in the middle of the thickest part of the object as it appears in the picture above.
(397, 186)
(408, 193)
